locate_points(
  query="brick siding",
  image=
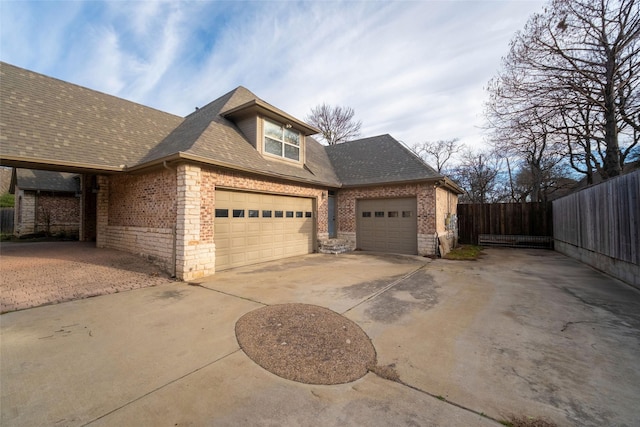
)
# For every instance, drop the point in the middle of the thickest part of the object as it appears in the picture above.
(48, 212)
(426, 215)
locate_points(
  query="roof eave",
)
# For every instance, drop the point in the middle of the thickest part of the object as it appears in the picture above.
(260, 107)
(182, 156)
(56, 165)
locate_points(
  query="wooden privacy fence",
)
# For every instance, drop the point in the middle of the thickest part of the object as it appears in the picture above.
(603, 219)
(513, 219)
(6, 220)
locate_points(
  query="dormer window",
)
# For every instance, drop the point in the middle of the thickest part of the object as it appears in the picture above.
(281, 140)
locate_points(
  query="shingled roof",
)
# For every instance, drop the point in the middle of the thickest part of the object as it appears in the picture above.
(51, 123)
(46, 121)
(378, 160)
(27, 179)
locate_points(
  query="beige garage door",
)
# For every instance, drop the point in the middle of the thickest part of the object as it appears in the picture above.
(254, 227)
(387, 225)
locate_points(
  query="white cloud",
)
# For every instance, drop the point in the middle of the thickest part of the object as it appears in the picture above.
(415, 70)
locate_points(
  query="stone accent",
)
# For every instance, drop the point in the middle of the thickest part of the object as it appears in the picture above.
(194, 258)
(24, 213)
(349, 238)
(334, 246)
(155, 244)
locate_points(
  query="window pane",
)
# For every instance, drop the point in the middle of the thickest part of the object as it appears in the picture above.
(366, 214)
(392, 214)
(253, 213)
(238, 213)
(289, 214)
(273, 130)
(291, 152)
(279, 214)
(307, 214)
(406, 214)
(379, 214)
(291, 136)
(266, 214)
(222, 213)
(298, 214)
(272, 146)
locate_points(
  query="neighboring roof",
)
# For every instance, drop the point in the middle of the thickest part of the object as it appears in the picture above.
(377, 160)
(48, 121)
(28, 179)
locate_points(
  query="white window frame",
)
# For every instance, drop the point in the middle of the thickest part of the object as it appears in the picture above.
(281, 140)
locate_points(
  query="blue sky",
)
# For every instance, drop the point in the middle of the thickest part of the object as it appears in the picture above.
(413, 69)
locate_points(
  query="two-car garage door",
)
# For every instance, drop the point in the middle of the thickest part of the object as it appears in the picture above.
(387, 225)
(255, 227)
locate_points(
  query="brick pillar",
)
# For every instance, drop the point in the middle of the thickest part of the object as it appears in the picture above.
(194, 258)
(102, 211)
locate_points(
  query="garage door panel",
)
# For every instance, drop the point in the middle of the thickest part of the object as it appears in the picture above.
(387, 225)
(247, 239)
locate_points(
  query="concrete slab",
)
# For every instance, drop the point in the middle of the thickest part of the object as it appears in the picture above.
(520, 332)
(70, 363)
(215, 396)
(337, 282)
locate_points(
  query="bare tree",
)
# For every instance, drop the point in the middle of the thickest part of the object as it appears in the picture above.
(479, 175)
(437, 153)
(335, 123)
(576, 68)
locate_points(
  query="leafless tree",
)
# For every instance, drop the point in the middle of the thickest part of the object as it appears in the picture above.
(437, 153)
(335, 123)
(479, 174)
(575, 68)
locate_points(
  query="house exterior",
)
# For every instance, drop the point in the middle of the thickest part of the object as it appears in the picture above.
(46, 202)
(236, 182)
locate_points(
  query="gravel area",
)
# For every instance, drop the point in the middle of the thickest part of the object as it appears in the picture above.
(39, 273)
(306, 343)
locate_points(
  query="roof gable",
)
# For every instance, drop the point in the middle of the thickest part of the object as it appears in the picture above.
(377, 160)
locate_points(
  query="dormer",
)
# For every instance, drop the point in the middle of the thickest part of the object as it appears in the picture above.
(273, 133)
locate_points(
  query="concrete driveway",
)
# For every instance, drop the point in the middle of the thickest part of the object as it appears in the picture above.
(521, 332)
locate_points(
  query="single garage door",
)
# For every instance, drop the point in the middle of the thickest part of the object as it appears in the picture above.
(388, 225)
(255, 227)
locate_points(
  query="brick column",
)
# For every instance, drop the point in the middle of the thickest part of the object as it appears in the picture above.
(102, 211)
(194, 258)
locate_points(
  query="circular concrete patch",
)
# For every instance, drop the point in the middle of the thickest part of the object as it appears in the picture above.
(306, 343)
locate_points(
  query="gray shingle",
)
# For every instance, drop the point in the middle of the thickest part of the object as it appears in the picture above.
(27, 179)
(377, 160)
(48, 120)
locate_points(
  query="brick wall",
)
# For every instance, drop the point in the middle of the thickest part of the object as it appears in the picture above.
(50, 212)
(136, 214)
(58, 213)
(426, 200)
(147, 200)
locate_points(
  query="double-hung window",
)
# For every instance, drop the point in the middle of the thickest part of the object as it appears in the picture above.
(281, 141)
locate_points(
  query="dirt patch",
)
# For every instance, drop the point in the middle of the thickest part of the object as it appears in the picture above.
(306, 343)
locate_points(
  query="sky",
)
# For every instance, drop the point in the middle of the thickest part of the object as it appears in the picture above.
(413, 69)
